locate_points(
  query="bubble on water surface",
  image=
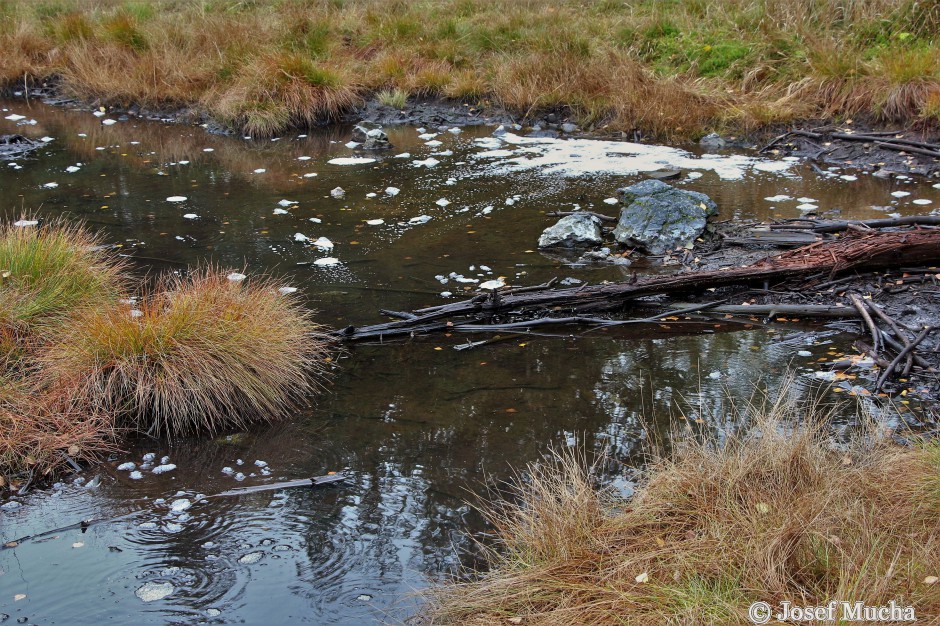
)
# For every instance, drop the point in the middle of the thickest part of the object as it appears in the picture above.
(251, 558)
(153, 591)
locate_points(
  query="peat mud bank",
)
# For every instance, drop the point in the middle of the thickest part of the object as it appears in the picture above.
(884, 151)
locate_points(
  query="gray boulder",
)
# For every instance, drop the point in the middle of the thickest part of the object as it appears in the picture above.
(372, 137)
(578, 230)
(658, 217)
(713, 141)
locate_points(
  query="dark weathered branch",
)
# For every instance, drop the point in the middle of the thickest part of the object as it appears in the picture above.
(834, 227)
(902, 354)
(877, 250)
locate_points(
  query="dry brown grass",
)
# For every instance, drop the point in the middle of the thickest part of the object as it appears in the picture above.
(672, 69)
(198, 353)
(774, 513)
(40, 429)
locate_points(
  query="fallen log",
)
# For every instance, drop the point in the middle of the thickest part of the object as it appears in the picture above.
(871, 251)
(838, 226)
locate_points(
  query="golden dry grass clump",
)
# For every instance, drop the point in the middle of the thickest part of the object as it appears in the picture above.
(773, 514)
(78, 363)
(196, 353)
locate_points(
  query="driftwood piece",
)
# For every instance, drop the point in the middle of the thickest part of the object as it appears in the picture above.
(876, 250)
(901, 355)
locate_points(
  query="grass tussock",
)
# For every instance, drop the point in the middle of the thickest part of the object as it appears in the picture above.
(774, 513)
(49, 271)
(265, 66)
(196, 353)
(80, 362)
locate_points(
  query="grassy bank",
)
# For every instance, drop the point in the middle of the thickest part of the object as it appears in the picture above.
(82, 359)
(773, 514)
(673, 68)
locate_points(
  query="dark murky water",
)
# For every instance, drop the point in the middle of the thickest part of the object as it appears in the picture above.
(417, 423)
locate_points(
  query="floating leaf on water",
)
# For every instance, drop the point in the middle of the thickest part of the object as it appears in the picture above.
(19, 596)
(78, 544)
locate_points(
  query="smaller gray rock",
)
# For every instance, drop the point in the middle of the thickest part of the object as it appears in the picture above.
(578, 230)
(712, 140)
(568, 127)
(371, 136)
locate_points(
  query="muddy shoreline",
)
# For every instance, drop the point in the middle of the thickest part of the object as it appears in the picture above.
(810, 140)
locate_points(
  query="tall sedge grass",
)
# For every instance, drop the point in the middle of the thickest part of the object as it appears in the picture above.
(265, 66)
(773, 513)
(195, 354)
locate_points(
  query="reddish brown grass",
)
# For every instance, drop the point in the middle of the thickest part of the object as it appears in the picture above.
(774, 513)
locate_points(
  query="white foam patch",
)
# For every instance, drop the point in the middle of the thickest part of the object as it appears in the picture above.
(350, 161)
(176, 199)
(14, 117)
(900, 194)
(921, 201)
(326, 261)
(585, 157)
(778, 198)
